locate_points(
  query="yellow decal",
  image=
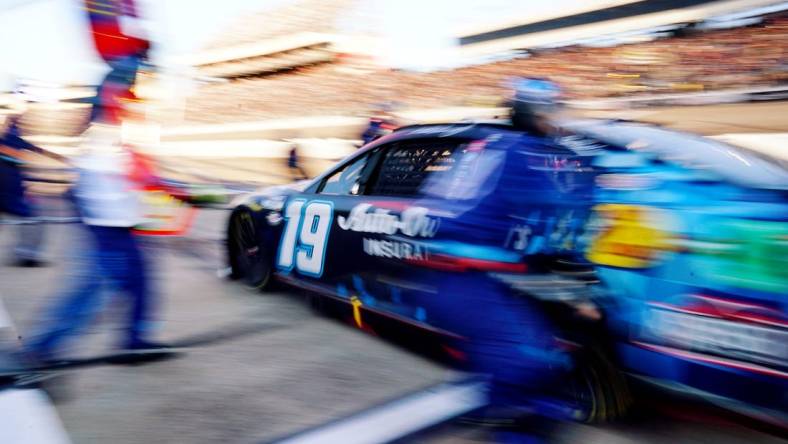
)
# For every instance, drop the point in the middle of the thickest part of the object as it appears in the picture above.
(356, 303)
(629, 237)
(162, 214)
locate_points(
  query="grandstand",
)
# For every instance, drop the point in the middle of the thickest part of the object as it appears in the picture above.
(684, 56)
(53, 110)
(55, 115)
(300, 34)
(294, 74)
(606, 22)
(296, 61)
(268, 56)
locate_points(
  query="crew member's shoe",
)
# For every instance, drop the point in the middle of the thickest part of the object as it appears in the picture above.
(148, 346)
(145, 351)
(29, 263)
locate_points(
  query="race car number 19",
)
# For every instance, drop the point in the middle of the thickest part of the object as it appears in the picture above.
(304, 239)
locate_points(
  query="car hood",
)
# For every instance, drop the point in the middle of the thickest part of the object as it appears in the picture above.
(261, 194)
(289, 188)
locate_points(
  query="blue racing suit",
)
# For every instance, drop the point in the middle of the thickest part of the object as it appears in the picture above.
(539, 190)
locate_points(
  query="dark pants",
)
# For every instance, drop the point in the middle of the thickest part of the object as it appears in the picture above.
(12, 191)
(297, 171)
(116, 260)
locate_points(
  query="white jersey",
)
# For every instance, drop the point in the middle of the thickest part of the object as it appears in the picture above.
(105, 195)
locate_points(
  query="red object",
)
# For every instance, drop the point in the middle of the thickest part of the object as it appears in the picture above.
(112, 44)
(108, 36)
(729, 309)
(143, 172)
(111, 98)
(180, 230)
(455, 354)
(454, 263)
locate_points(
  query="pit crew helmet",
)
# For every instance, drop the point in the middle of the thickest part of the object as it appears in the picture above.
(534, 99)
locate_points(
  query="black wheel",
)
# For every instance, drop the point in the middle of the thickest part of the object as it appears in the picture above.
(597, 391)
(249, 260)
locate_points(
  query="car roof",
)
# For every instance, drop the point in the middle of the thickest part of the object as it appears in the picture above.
(469, 129)
(731, 163)
(735, 164)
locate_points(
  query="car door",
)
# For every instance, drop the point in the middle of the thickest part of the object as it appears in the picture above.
(387, 227)
(312, 250)
(359, 229)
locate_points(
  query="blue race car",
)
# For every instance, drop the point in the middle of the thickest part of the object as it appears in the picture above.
(690, 238)
(497, 247)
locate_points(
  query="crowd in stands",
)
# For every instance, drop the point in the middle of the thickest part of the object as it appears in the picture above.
(696, 60)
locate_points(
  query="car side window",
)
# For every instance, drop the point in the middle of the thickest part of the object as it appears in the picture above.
(407, 165)
(344, 181)
(473, 175)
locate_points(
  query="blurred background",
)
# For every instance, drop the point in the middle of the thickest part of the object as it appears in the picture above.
(233, 85)
(240, 76)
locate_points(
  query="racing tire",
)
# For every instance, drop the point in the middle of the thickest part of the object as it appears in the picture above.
(249, 260)
(597, 389)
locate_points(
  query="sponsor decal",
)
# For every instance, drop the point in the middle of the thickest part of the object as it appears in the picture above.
(274, 219)
(355, 302)
(518, 238)
(412, 222)
(724, 328)
(631, 236)
(743, 253)
(394, 249)
(547, 231)
(626, 181)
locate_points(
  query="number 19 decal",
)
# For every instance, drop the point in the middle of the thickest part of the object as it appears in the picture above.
(304, 240)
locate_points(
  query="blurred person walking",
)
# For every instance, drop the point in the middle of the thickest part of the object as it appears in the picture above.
(14, 198)
(107, 199)
(109, 210)
(380, 124)
(294, 164)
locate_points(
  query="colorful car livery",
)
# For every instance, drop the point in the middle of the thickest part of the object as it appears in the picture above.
(633, 243)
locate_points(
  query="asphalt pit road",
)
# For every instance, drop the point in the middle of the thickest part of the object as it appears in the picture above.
(225, 334)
